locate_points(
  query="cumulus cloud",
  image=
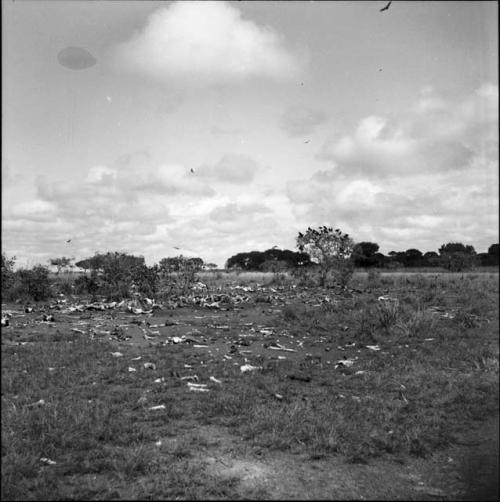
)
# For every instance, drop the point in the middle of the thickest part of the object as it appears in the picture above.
(36, 210)
(233, 211)
(300, 120)
(231, 168)
(136, 205)
(205, 42)
(429, 178)
(435, 135)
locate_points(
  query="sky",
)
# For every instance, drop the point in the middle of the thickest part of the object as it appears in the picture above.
(212, 128)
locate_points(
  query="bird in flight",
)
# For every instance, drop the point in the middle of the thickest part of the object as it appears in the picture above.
(69, 240)
(386, 7)
(175, 247)
(307, 141)
(192, 170)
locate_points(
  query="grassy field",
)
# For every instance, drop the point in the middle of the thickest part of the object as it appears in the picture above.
(395, 396)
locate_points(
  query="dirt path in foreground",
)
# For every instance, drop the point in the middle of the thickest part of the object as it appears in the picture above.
(468, 471)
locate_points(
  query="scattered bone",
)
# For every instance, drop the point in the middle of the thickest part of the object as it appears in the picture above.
(47, 461)
(248, 367)
(158, 407)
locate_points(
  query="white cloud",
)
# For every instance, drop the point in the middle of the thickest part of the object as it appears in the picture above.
(205, 42)
(231, 168)
(300, 120)
(422, 210)
(35, 210)
(435, 135)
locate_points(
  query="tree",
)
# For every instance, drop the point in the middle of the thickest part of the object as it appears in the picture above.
(493, 255)
(457, 257)
(380, 260)
(363, 254)
(60, 263)
(456, 247)
(412, 258)
(331, 250)
(494, 250)
(431, 259)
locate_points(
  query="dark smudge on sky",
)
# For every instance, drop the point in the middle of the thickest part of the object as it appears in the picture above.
(76, 58)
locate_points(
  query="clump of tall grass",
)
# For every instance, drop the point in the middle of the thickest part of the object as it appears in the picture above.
(387, 313)
(415, 323)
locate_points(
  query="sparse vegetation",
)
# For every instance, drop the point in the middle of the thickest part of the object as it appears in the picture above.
(399, 366)
(331, 250)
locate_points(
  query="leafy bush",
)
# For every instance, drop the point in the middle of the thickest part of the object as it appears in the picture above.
(331, 250)
(458, 261)
(31, 284)
(8, 275)
(146, 279)
(179, 273)
(87, 285)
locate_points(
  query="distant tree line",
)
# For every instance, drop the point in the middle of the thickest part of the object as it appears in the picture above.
(271, 260)
(453, 256)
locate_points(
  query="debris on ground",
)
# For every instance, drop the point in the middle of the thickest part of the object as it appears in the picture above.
(387, 299)
(345, 362)
(198, 387)
(158, 407)
(277, 346)
(248, 367)
(47, 461)
(41, 402)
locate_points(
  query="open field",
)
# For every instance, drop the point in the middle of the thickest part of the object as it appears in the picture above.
(388, 390)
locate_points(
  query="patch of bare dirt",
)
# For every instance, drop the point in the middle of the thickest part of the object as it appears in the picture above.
(282, 475)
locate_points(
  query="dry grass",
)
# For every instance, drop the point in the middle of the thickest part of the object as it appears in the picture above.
(433, 377)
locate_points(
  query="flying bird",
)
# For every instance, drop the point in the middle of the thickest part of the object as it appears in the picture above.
(307, 141)
(386, 7)
(192, 170)
(175, 247)
(69, 240)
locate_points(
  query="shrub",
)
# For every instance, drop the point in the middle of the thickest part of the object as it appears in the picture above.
(31, 284)
(87, 285)
(458, 261)
(8, 275)
(387, 313)
(331, 250)
(146, 279)
(179, 274)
